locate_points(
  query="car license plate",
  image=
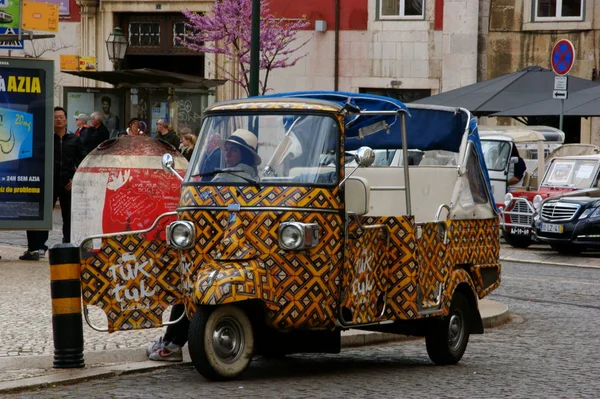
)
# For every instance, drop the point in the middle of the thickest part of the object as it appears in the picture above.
(520, 231)
(551, 228)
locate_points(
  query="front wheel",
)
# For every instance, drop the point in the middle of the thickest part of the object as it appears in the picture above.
(447, 338)
(221, 342)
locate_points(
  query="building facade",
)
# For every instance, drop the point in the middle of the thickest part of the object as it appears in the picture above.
(408, 49)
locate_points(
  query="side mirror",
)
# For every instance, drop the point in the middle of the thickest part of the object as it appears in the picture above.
(514, 160)
(168, 165)
(358, 194)
(365, 157)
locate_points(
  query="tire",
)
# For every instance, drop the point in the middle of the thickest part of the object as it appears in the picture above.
(516, 241)
(566, 249)
(447, 337)
(221, 342)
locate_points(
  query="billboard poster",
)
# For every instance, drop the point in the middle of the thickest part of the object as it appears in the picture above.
(109, 102)
(26, 140)
(10, 14)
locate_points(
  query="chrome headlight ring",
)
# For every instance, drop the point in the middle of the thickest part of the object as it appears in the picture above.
(537, 202)
(296, 235)
(181, 234)
(508, 198)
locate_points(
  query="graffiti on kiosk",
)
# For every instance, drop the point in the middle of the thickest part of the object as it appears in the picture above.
(363, 282)
(130, 270)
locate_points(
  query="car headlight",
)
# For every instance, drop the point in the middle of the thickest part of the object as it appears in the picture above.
(181, 234)
(537, 202)
(508, 198)
(586, 213)
(296, 235)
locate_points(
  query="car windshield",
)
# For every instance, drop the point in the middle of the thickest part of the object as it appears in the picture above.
(292, 149)
(571, 173)
(495, 154)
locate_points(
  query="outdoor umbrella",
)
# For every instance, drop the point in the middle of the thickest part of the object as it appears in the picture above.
(529, 85)
(579, 103)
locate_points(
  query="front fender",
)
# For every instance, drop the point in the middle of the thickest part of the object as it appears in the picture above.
(234, 282)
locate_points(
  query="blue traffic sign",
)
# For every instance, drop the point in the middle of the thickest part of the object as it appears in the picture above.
(10, 44)
(563, 57)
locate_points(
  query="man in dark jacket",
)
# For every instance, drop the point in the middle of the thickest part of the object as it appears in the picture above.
(95, 134)
(163, 133)
(68, 153)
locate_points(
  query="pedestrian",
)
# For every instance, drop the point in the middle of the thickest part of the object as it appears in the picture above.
(81, 121)
(68, 153)
(168, 347)
(133, 128)
(211, 158)
(165, 134)
(95, 134)
(188, 142)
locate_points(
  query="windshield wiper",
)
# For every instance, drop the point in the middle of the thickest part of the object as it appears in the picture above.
(231, 172)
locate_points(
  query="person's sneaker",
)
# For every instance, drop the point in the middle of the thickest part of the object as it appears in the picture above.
(42, 252)
(155, 345)
(168, 353)
(30, 255)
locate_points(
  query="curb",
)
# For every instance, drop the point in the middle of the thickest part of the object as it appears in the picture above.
(66, 377)
(547, 263)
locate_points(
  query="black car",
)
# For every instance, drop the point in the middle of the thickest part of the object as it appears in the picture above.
(569, 224)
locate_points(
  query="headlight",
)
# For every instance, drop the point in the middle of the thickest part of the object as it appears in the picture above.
(181, 234)
(537, 202)
(586, 213)
(508, 199)
(296, 235)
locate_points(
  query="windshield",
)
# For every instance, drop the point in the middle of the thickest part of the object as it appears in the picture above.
(266, 149)
(495, 154)
(571, 173)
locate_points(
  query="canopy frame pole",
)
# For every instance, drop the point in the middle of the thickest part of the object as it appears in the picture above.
(405, 160)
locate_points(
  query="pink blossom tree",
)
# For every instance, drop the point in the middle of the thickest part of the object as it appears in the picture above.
(226, 29)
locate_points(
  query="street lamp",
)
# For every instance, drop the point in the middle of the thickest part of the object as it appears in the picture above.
(116, 46)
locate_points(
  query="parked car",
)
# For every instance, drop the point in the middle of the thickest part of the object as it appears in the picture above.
(570, 222)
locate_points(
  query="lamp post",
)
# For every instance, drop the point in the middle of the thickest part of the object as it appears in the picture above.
(116, 46)
(254, 49)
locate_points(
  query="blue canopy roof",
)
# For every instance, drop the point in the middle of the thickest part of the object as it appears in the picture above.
(427, 129)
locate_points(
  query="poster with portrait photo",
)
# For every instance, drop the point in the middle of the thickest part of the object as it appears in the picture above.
(109, 102)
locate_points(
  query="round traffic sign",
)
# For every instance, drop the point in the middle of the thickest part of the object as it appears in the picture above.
(563, 57)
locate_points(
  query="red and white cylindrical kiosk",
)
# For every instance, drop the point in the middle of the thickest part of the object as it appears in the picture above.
(121, 186)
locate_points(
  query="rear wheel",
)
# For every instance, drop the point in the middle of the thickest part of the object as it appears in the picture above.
(516, 241)
(221, 342)
(447, 337)
(566, 249)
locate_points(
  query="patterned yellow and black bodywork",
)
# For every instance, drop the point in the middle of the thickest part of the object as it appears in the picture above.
(363, 270)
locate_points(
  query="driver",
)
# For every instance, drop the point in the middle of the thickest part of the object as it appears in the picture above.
(516, 171)
(241, 157)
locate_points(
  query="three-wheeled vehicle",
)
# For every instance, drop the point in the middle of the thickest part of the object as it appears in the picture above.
(276, 246)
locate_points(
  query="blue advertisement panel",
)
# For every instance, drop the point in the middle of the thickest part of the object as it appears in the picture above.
(26, 103)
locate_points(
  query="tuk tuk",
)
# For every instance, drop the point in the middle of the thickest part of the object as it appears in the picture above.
(277, 245)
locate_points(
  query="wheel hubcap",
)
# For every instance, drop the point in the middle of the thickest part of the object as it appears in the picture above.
(228, 339)
(455, 332)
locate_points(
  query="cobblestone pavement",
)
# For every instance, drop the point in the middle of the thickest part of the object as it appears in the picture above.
(26, 325)
(549, 350)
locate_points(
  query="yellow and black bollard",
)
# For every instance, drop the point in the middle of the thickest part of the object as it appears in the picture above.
(65, 290)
